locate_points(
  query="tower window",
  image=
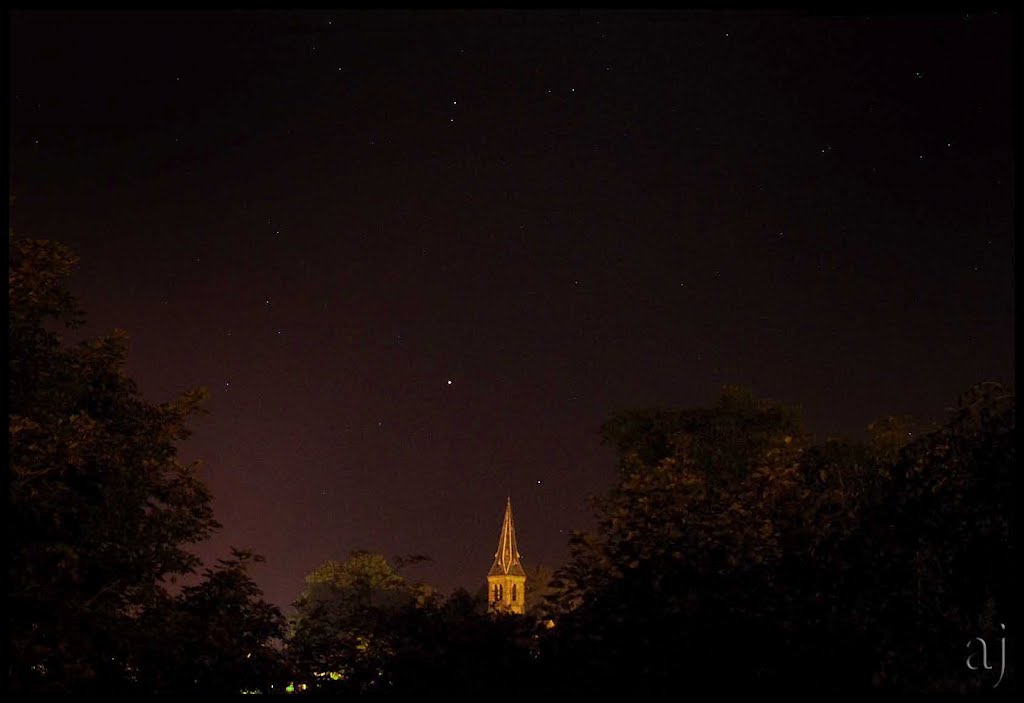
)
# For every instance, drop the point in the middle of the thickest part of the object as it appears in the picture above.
(513, 593)
(495, 592)
(501, 592)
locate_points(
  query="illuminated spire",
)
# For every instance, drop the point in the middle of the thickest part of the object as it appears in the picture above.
(506, 559)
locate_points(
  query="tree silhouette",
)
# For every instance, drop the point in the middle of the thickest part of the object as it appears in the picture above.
(102, 513)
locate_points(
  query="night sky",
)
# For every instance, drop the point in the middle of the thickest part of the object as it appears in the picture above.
(418, 258)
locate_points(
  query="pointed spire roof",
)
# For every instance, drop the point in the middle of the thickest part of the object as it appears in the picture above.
(506, 559)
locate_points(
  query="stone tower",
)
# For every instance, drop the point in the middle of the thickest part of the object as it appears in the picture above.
(506, 581)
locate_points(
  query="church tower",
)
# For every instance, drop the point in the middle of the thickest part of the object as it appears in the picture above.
(506, 581)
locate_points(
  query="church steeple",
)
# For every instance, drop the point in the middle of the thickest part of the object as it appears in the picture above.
(506, 581)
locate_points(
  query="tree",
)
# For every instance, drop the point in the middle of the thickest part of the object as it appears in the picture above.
(689, 542)
(733, 548)
(217, 637)
(102, 513)
(942, 549)
(365, 580)
(339, 633)
(538, 590)
(457, 645)
(360, 628)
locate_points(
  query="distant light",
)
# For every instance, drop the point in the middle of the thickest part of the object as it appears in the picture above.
(449, 382)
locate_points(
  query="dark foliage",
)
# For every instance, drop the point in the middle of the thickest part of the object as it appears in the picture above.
(734, 551)
(101, 513)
